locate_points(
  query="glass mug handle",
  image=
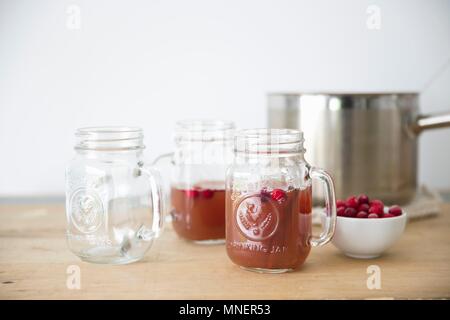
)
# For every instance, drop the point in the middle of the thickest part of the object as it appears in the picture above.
(330, 207)
(157, 198)
(157, 163)
(162, 157)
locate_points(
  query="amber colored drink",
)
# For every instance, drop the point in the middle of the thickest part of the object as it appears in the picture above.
(199, 212)
(269, 230)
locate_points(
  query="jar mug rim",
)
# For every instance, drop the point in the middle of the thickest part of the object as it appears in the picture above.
(109, 138)
(269, 141)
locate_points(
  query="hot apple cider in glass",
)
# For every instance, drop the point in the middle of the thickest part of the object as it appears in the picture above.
(204, 149)
(269, 202)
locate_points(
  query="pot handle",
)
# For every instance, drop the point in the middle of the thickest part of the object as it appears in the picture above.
(425, 122)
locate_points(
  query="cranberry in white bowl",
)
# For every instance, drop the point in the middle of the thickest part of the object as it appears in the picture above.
(366, 228)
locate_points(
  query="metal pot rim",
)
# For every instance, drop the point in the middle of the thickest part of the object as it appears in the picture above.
(343, 93)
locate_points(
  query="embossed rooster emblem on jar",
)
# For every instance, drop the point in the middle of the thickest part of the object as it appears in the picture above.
(257, 218)
(87, 211)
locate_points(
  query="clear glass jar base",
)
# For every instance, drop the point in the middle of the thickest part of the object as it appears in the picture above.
(110, 255)
(110, 260)
(211, 242)
(264, 270)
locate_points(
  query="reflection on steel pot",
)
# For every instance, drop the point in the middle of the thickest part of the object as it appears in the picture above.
(368, 142)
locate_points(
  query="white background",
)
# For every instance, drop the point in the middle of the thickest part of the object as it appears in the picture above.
(150, 63)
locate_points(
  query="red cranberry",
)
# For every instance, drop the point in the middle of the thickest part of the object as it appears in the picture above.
(349, 212)
(192, 193)
(278, 194)
(377, 203)
(388, 215)
(207, 193)
(340, 203)
(352, 202)
(373, 216)
(362, 214)
(395, 211)
(376, 209)
(363, 199)
(363, 207)
(340, 211)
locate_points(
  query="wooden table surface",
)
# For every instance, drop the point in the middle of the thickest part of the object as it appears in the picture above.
(34, 261)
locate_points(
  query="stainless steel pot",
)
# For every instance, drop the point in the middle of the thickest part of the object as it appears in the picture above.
(368, 142)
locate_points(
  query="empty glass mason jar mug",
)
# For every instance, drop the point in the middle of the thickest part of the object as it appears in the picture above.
(203, 151)
(114, 204)
(269, 202)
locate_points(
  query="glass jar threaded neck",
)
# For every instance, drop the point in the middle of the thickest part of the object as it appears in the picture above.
(109, 138)
(277, 142)
(203, 130)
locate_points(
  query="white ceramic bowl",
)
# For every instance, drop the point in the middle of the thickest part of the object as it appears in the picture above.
(367, 238)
